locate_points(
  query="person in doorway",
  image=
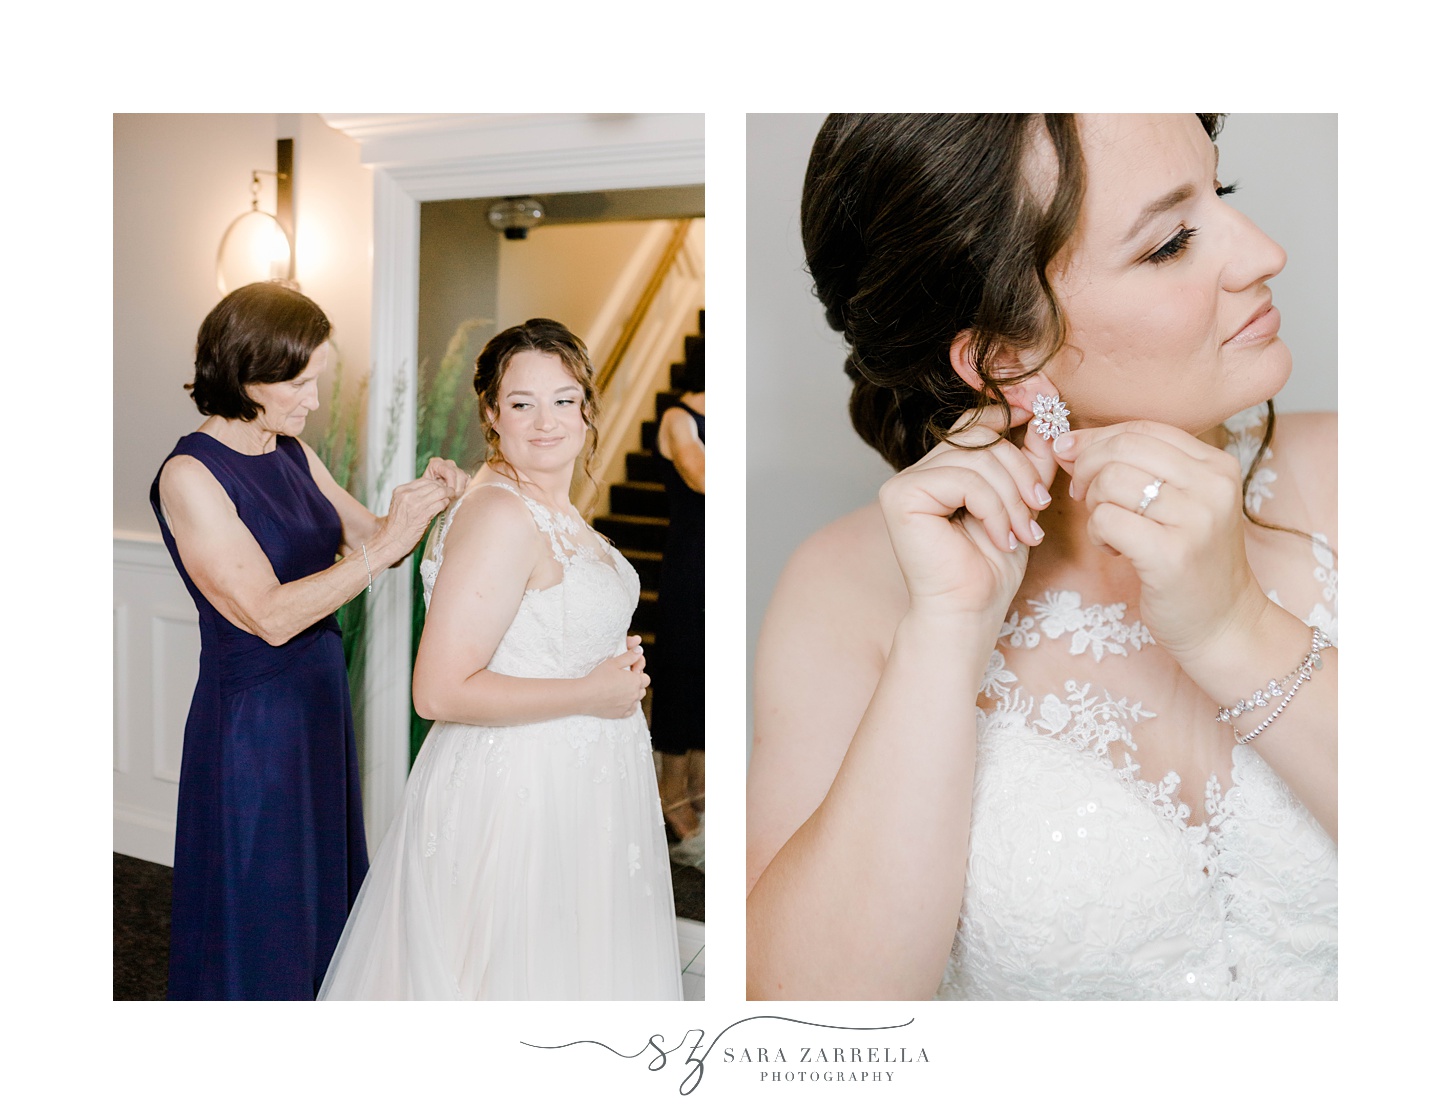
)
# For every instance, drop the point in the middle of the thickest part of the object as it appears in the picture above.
(677, 716)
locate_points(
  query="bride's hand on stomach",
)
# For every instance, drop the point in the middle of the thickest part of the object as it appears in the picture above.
(962, 519)
(618, 684)
(1187, 545)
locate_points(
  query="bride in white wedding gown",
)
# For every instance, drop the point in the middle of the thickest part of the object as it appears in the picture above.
(529, 859)
(1055, 717)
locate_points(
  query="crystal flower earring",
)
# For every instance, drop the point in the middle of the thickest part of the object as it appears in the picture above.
(1050, 417)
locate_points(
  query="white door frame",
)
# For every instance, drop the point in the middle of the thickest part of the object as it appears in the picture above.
(421, 158)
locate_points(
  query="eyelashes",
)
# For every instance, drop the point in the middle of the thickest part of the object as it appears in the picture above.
(1175, 247)
(1179, 242)
(557, 402)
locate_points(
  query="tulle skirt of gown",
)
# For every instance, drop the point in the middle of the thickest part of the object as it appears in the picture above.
(527, 863)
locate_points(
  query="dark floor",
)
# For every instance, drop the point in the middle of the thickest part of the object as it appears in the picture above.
(142, 921)
(140, 925)
(689, 885)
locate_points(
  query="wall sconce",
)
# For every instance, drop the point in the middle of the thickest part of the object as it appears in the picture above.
(515, 216)
(257, 246)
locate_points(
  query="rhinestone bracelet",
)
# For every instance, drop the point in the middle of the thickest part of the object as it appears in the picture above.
(1319, 640)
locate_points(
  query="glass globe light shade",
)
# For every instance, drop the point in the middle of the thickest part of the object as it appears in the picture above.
(255, 248)
(515, 216)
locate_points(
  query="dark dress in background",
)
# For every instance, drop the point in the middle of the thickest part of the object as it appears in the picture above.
(677, 663)
(269, 827)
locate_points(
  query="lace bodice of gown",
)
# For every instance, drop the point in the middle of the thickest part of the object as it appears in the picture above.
(568, 628)
(1096, 872)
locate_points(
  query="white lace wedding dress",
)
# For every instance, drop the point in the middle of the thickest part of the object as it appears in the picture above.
(1093, 871)
(528, 862)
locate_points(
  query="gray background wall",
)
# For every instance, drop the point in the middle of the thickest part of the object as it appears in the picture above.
(806, 466)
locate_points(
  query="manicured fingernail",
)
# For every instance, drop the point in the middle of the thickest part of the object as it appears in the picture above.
(1042, 493)
(1073, 489)
(1012, 542)
(1036, 531)
(1064, 444)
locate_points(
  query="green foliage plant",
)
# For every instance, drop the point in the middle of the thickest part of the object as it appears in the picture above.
(445, 420)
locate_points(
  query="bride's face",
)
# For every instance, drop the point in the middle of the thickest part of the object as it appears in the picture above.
(1165, 290)
(540, 421)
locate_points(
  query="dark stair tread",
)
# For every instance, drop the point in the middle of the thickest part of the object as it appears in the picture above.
(632, 520)
(642, 467)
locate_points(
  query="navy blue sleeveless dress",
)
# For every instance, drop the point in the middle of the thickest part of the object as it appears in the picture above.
(269, 826)
(676, 663)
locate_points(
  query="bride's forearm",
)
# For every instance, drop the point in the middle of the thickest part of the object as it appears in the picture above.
(862, 901)
(489, 699)
(1301, 743)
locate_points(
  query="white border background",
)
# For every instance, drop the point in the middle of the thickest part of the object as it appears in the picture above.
(75, 1046)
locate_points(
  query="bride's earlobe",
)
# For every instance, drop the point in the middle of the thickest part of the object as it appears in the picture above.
(959, 354)
(1038, 396)
(1021, 396)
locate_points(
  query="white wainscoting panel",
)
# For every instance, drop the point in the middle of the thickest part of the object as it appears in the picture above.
(157, 642)
(175, 640)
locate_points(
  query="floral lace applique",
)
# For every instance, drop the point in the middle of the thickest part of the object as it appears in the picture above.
(460, 765)
(1326, 613)
(1098, 628)
(1325, 572)
(1090, 722)
(562, 529)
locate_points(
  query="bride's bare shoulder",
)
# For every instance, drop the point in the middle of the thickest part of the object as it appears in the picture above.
(848, 559)
(1306, 446)
(1311, 437)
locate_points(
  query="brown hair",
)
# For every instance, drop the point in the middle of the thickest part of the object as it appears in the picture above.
(260, 333)
(918, 226)
(538, 334)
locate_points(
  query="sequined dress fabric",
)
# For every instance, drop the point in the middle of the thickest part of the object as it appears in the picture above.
(1090, 877)
(528, 862)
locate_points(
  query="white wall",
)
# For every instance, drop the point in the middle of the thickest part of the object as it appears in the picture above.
(178, 181)
(332, 203)
(565, 272)
(806, 466)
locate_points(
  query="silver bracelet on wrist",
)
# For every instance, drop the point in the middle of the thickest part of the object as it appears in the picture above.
(368, 565)
(1319, 640)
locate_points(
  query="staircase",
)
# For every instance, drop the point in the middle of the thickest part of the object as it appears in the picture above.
(638, 514)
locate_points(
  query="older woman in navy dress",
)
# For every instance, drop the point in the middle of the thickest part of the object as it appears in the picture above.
(269, 835)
